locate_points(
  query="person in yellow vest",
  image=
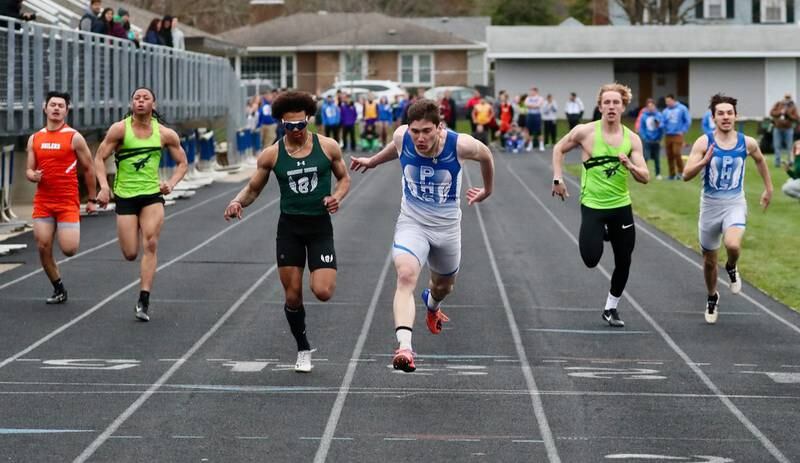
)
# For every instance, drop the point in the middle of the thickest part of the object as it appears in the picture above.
(137, 142)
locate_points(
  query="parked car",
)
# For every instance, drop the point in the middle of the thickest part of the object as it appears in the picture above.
(378, 88)
(459, 94)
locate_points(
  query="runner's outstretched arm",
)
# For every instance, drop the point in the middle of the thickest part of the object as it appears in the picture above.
(173, 144)
(698, 159)
(248, 194)
(472, 149)
(85, 160)
(113, 138)
(333, 201)
(636, 163)
(388, 153)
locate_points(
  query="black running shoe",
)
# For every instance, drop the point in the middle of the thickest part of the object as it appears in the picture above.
(712, 309)
(612, 318)
(141, 312)
(58, 297)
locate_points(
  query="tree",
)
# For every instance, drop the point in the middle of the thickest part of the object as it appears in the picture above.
(657, 11)
(521, 12)
(580, 10)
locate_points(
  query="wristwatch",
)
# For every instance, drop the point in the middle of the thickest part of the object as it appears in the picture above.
(557, 181)
(91, 200)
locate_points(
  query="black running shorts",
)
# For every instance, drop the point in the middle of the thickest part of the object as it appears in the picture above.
(301, 235)
(134, 205)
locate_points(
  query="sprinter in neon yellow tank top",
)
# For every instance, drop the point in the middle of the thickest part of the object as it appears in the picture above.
(609, 152)
(302, 163)
(136, 143)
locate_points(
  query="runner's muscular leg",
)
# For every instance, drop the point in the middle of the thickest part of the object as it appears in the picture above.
(43, 232)
(441, 285)
(408, 270)
(128, 234)
(323, 283)
(732, 240)
(150, 220)
(69, 238)
(292, 281)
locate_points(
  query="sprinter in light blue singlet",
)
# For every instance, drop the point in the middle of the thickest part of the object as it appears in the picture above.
(721, 155)
(429, 225)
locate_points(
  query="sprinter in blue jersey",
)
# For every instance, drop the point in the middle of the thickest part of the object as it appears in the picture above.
(428, 229)
(721, 156)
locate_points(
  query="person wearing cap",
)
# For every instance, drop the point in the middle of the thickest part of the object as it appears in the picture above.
(784, 118)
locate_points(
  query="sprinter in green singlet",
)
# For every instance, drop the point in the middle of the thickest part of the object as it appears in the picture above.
(302, 163)
(136, 143)
(610, 151)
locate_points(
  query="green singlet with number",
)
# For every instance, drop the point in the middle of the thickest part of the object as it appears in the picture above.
(604, 180)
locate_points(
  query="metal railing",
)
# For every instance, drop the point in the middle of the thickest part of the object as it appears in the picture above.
(100, 72)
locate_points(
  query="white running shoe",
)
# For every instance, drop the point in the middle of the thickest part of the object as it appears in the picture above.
(736, 280)
(303, 364)
(712, 310)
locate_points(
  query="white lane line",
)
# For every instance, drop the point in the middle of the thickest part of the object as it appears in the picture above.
(527, 371)
(114, 295)
(697, 265)
(115, 425)
(125, 437)
(344, 389)
(527, 441)
(762, 438)
(101, 246)
(253, 437)
(557, 330)
(400, 438)
(188, 437)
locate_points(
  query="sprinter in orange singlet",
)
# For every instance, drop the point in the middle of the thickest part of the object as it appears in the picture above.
(54, 153)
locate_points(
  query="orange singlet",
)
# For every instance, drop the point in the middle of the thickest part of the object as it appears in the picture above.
(57, 193)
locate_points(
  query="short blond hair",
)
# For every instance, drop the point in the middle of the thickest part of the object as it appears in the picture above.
(623, 90)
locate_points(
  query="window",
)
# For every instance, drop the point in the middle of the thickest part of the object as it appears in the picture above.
(714, 9)
(416, 68)
(275, 71)
(352, 65)
(773, 11)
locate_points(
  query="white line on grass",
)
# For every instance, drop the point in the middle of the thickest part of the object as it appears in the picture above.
(527, 371)
(763, 439)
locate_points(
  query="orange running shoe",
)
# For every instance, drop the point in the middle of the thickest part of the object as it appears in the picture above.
(404, 360)
(434, 319)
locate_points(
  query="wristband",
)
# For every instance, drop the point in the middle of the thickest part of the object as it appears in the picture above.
(91, 200)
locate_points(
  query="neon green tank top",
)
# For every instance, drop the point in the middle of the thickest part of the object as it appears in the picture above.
(604, 181)
(137, 161)
(304, 182)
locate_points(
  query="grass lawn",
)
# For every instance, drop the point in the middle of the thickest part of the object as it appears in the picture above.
(771, 248)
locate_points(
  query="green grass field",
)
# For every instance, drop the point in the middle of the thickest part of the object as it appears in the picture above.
(771, 248)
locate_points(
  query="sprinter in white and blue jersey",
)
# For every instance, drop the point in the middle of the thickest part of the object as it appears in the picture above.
(429, 226)
(721, 155)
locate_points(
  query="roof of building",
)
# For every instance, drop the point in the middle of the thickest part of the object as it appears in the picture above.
(335, 31)
(471, 28)
(686, 41)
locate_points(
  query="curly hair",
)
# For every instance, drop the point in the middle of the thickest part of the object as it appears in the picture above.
(720, 98)
(623, 90)
(293, 102)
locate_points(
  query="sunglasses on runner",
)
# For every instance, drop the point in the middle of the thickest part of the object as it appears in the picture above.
(297, 125)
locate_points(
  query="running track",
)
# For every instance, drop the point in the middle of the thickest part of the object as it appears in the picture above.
(526, 370)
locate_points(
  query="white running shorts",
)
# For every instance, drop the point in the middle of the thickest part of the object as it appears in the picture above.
(718, 216)
(439, 247)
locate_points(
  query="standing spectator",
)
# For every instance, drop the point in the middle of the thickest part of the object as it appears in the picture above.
(178, 37)
(476, 98)
(118, 25)
(549, 115)
(784, 118)
(651, 131)
(349, 114)
(707, 123)
(166, 32)
(107, 19)
(266, 123)
(574, 110)
(792, 186)
(676, 122)
(447, 106)
(522, 112)
(534, 103)
(126, 24)
(399, 109)
(482, 115)
(91, 17)
(384, 119)
(13, 9)
(370, 110)
(152, 35)
(331, 118)
(505, 111)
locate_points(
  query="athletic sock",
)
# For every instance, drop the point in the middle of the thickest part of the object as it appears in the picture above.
(611, 302)
(297, 324)
(403, 334)
(144, 298)
(58, 285)
(729, 267)
(714, 297)
(432, 303)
